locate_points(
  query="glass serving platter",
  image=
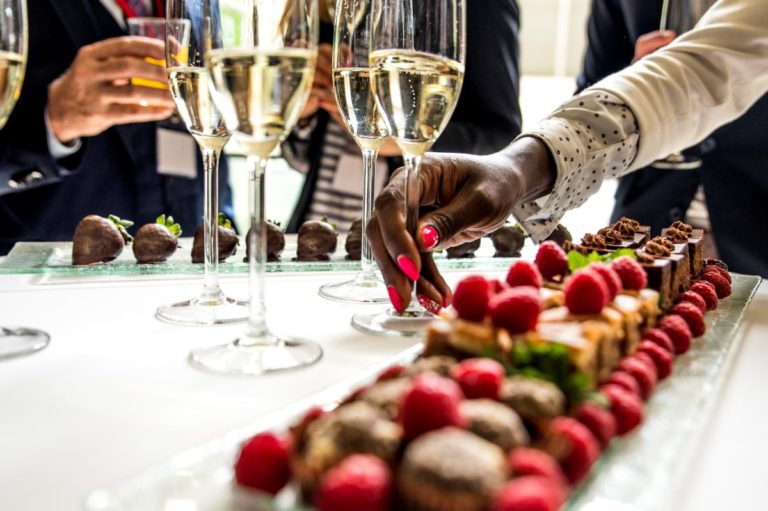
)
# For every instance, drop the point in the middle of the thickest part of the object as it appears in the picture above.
(639, 472)
(55, 258)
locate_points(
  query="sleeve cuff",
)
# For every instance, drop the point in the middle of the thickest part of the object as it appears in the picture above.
(58, 149)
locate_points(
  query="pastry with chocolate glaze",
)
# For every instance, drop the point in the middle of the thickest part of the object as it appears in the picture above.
(99, 239)
(354, 243)
(451, 470)
(508, 240)
(317, 241)
(155, 243)
(465, 250)
(494, 422)
(275, 242)
(356, 428)
(228, 241)
(682, 233)
(532, 399)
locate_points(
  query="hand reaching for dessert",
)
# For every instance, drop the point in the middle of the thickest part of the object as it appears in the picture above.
(463, 197)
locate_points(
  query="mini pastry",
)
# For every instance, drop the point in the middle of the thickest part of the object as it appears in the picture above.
(354, 243)
(351, 429)
(317, 241)
(451, 470)
(508, 240)
(494, 422)
(275, 242)
(155, 243)
(387, 395)
(465, 250)
(228, 241)
(441, 365)
(532, 399)
(99, 239)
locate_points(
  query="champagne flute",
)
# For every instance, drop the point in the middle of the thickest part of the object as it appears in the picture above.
(357, 106)
(188, 29)
(262, 72)
(15, 341)
(678, 15)
(417, 63)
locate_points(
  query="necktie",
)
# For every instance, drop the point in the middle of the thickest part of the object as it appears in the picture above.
(140, 8)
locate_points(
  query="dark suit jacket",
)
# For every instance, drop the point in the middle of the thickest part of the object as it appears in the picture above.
(115, 172)
(487, 116)
(735, 170)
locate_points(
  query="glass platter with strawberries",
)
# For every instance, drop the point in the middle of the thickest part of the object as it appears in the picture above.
(54, 258)
(639, 470)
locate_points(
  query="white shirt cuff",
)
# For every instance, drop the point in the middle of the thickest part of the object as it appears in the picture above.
(58, 149)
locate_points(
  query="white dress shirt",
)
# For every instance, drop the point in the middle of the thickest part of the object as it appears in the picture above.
(666, 102)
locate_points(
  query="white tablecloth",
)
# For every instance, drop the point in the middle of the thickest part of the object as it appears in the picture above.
(113, 393)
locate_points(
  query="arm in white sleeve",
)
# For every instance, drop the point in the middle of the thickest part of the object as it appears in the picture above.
(58, 149)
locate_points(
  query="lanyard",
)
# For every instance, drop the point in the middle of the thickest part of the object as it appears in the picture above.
(130, 13)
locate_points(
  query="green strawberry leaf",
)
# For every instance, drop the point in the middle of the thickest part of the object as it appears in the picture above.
(168, 222)
(520, 228)
(122, 226)
(224, 221)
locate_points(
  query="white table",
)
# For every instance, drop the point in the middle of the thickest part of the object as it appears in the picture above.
(113, 393)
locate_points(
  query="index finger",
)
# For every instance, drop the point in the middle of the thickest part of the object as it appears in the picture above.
(126, 46)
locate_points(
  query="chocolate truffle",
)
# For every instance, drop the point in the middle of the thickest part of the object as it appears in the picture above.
(494, 422)
(354, 243)
(508, 241)
(465, 250)
(532, 399)
(317, 241)
(451, 470)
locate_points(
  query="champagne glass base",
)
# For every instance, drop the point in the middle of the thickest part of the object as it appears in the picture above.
(199, 312)
(388, 323)
(361, 289)
(275, 354)
(18, 342)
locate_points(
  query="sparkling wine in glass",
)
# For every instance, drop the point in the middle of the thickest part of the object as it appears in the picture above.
(417, 67)
(680, 16)
(15, 341)
(188, 31)
(361, 116)
(261, 71)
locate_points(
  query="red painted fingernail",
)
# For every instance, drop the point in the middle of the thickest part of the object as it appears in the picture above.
(429, 304)
(429, 237)
(446, 301)
(397, 303)
(408, 267)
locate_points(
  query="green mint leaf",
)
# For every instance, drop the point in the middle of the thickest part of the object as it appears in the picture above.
(594, 257)
(576, 260)
(624, 252)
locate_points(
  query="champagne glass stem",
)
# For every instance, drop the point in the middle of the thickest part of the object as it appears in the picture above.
(211, 290)
(412, 164)
(257, 333)
(369, 183)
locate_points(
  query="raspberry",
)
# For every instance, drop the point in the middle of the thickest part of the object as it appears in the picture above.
(694, 298)
(722, 286)
(529, 493)
(573, 445)
(497, 286)
(707, 292)
(586, 293)
(431, 402)
(715, 262)
(677, 330)
(626, 407)
(630, 272)
(391, 372)
(718, 270)
(523, 273)
(551, 260)
(479, 378)
(471, 298)
(263, 463)
(660, 356)
(516, 309)
(692, 315)
(599, 421)
(526, 461)
(658, 336)
(361, 481)
(624, 380)
(643, 370)
(610, 277)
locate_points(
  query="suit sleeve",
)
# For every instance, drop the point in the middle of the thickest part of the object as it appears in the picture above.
(487, 116)
(609, 48)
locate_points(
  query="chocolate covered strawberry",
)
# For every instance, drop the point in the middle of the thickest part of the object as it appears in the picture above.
(98, 239)
(155, 243)
(227, 239)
